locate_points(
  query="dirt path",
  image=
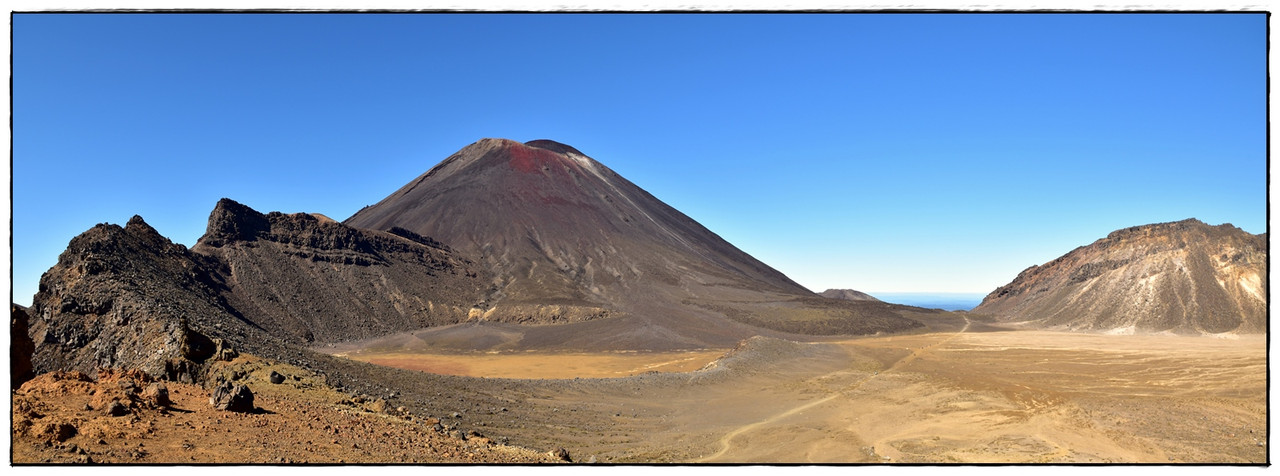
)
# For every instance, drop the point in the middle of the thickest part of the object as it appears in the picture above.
(726, 442)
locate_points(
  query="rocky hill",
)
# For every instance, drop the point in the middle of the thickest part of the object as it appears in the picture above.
(847, 295)
(1184, 277)
(128, 297)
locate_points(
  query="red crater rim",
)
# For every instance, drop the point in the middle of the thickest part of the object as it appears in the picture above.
(528, 159)
(554, 146)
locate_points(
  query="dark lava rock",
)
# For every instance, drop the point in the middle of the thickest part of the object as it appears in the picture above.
(116, 409)
(21, 347)
(275, 377)
(124, 297)
(231, 397)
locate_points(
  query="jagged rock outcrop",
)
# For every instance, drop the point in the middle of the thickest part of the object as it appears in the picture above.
(847, 295)
(1183, 277)
(127, 297)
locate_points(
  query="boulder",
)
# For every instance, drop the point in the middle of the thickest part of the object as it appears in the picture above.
(560, 454)
(231, 397)
(223, 351)
(275, 378)
(157, 394)
(116, 409)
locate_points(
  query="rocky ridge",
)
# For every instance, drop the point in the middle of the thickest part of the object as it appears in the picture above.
(1184, 277)
(314, 280)
(126, 297)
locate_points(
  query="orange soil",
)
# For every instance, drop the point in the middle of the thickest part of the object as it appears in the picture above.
(61, 418)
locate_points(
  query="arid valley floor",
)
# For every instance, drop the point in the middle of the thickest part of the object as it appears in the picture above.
(963, 392)
(972, 393)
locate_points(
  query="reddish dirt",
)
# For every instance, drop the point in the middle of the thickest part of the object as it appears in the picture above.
(62, 418)
(529, 159)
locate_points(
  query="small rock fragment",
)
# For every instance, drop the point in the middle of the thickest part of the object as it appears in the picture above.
(560, 454)
(116, 409)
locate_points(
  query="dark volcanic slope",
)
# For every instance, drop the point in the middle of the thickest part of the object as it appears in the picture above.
(555, 224)
(309, 278)
(557, 227)
(1183, 277)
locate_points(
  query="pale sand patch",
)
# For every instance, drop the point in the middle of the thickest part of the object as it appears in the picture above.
(1024, 397)
(543, 365)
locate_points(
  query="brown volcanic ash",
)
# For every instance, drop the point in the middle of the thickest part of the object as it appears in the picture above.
(556, 224)
(1183, 277)
(556, 227)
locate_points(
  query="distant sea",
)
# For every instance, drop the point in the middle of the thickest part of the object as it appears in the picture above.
(944, 301)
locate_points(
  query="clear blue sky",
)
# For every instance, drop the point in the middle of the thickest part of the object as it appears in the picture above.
(884, 153)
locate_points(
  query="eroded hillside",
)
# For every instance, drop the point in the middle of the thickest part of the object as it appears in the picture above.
(1183, 277)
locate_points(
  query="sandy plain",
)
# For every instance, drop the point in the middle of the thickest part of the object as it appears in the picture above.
(541, 365)
(966, 393)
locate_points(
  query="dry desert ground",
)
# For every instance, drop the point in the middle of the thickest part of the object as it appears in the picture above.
(969, 394)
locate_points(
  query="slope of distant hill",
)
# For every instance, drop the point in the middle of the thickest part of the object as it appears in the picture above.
(847, 295)
(1183, 277)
